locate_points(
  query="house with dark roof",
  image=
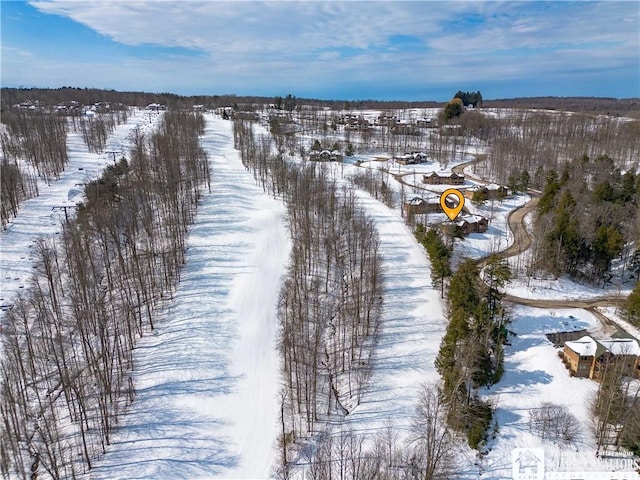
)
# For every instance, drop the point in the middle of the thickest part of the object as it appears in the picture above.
(412, 158)
(425, 123)
(443, 178)
(486, 192)
(464, 225)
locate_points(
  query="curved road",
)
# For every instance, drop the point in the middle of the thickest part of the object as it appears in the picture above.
(522, 242)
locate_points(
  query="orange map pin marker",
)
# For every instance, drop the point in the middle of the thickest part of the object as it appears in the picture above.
(450, 206)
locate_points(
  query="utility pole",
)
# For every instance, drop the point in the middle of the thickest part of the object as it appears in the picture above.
(64, 207)
(113, 153)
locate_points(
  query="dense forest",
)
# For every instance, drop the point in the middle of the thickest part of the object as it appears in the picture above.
(586, 215)
(586, 170)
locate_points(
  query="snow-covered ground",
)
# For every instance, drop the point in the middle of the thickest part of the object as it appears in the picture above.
(207, 378)
(41, 216)
(560, 289)
(412, 325)
(534, 374)
(498, 236)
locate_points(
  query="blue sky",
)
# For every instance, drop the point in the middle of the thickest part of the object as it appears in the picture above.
(419, 50)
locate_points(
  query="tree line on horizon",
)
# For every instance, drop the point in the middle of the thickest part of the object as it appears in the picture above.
(89, 96)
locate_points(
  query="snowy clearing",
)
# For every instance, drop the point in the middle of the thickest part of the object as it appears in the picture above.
(207, 378)
(412, 326)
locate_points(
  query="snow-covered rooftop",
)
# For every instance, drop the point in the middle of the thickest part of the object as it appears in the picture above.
(421, 200)
(622, 346)
(585, 346)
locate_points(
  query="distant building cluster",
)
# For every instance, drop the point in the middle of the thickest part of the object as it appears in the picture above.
(396, 126)
(70, 107)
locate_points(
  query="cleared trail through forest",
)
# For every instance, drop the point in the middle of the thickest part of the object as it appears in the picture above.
(207, 378)
(411, 328)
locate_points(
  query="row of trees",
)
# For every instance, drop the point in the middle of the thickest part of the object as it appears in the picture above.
(67, 346)
(16, 186)
(96, 129)
(38, 139)
(32, 145)
(469, 98)
(439, 255)
(330, 304)
(471, 353)
(537, 142)
(89, 96)
(376, 182)
(429, 452)
(616, 405)
(633, 305)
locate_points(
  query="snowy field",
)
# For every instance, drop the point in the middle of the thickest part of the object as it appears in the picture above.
(207, 378)
(562, 288)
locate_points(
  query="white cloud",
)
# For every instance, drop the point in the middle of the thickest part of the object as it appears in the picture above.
(307, 44)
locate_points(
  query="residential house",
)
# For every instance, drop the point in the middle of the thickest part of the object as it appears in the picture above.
(486, 192)
(425, 123)
(588, 358)
(443, 178)
(412, 158)
(422, 205)
(403, 128)
(387, 120)
(355, 123)
(156, 107)
(450, 130)
(325, 156)
(465, 225)
(580, 355)
(246, 115)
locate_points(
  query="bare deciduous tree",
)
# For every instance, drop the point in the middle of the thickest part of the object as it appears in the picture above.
(433, 441)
